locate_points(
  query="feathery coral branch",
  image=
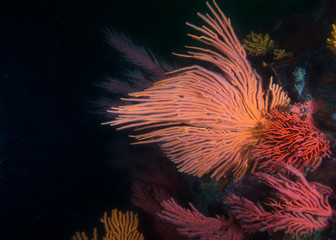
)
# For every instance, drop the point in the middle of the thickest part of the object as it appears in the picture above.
(136, 54)
(193, 224)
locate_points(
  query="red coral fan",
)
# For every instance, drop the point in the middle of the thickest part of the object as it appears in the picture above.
(193, 224)
(300, 207)
(288, 139)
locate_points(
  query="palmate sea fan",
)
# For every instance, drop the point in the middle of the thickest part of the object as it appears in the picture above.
(299, 207)
(205, 121)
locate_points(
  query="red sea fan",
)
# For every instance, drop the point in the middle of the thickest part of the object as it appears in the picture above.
(288, 139)
(300, 207)
(205, 121)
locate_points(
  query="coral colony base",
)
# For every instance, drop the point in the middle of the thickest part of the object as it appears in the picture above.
(223, 124)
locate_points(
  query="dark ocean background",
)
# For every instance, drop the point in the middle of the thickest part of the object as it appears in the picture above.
(56, 175)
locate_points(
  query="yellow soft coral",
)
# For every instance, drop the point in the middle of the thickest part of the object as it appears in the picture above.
(83, 236)
(258, 44)
(119, 226)
(281, 53)
(331, 42)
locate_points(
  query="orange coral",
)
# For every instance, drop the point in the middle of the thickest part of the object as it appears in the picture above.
(205, 121)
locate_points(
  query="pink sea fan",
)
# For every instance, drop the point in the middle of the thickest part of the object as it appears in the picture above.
(300, 207)
(193, 224)
(149, 69)
(137, 55)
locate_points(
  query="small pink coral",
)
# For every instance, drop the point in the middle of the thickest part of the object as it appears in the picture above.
(306, 110)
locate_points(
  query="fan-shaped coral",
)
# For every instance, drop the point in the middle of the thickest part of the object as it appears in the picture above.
(205, 121)
(300, 207)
